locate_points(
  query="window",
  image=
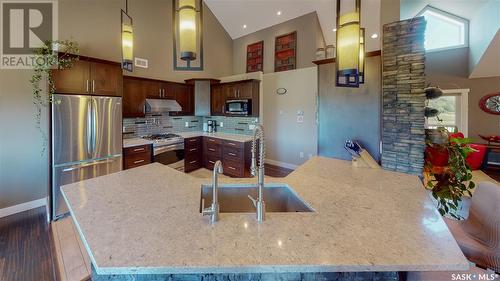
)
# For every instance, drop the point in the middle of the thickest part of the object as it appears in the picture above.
(452, 107)
(444, 30)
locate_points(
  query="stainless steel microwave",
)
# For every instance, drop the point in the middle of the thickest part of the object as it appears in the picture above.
(239, 107)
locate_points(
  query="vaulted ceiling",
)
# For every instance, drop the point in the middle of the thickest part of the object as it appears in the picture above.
(260, 14)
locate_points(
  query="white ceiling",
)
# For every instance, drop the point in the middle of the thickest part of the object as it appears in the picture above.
(260, 14)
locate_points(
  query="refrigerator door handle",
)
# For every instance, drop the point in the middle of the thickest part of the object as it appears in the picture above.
(90, 130)
(79, 166)
(94, 125)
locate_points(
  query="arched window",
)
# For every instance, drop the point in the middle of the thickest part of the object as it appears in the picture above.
(444, 30)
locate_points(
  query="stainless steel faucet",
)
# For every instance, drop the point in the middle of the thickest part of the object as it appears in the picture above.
(257, 169)
(213, 210)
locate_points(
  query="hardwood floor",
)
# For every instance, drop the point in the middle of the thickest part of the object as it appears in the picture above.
(25, 247)
(276, 171)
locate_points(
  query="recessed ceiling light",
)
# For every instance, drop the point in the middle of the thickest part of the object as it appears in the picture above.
(334, 30)
(278, 13)
(244, 26)
(374, 36)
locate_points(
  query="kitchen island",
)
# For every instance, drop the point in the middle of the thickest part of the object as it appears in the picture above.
(145, 222)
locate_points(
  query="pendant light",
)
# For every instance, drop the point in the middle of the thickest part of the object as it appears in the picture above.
(362, 56)
(127, 40)
(187, 29)
(348, 46)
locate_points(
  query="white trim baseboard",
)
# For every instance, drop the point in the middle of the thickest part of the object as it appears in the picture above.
(282, 164)
(23, 207)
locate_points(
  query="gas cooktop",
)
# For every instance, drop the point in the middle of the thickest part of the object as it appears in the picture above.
(164, 139)
(161, 136)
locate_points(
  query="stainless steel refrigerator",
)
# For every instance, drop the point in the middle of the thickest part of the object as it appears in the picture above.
(86, 141)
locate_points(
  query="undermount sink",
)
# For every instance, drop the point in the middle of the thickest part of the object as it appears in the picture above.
(234, 198)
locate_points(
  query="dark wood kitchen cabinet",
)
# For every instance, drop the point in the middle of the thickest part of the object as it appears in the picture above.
(137, 156)
(133, 97)
(184, 95)
(245, 89)
(90, 76)
(193, 155)
(217, 100)
(235, 156)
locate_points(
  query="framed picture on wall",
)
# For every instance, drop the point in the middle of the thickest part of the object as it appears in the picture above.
(285, 52)
(255, 57)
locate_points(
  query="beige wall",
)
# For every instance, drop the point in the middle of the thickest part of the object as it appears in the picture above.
(309, 38)
(285, 137)
(95, 25)
(23, 167)
(449, 70)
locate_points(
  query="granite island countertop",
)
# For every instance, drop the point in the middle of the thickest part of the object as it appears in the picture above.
(146, 220)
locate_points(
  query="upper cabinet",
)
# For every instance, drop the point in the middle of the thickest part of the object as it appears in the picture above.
(246, 89)
(136, 90)
(90, 76)
(217, 100)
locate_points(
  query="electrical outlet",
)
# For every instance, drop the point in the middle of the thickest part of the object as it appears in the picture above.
(221, 124)
(187, 124)
(301, 154)
(251, 127)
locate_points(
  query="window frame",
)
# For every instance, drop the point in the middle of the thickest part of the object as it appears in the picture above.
(453, 17)
(463, 96)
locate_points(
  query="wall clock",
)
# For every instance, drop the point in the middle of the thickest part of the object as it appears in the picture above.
(491, 103)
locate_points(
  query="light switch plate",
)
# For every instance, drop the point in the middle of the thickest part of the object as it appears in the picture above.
(221, 124)
(187, 124)
(300, 119)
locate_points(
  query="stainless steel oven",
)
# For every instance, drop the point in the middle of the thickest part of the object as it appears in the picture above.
(242, 107)
(171, 155)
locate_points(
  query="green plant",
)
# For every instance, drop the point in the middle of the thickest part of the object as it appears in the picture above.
(448, 184)
(52, 55)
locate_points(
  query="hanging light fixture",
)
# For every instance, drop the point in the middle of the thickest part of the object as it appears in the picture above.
(361, 56)
(187, 29)
(127, 40)
(187, 36)
(348, 46)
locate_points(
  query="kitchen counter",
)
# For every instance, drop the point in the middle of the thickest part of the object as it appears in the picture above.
(146, 221)
(219, 135)
(131, 142)
(135, 142)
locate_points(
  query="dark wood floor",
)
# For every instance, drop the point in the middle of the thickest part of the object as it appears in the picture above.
(25, 247)
(276, 171)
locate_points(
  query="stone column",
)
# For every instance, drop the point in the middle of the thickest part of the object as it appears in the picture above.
(403, 75)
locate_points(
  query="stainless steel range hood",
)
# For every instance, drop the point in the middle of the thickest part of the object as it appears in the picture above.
(162, 105)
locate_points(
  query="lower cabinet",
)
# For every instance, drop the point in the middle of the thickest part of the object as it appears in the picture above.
(235, 156)
(193, 154)
(137, 156)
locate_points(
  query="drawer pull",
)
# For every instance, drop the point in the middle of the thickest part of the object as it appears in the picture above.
(139, 149)
(192, 162)
(193, 140)
(211, 140)
(139, 161)
(232, 168)
(232, 154)
(193, 149)
(211, 149)
(211, 162)
(231, 143)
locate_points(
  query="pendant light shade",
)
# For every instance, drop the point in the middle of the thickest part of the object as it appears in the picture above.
(127, 41)
(187, 29)
(348, 46)
(362, 56)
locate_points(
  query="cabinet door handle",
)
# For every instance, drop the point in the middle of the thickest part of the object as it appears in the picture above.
(139, 161)
(93, 86)
(231, 154)
(192, 162)
(87, 84)
(211, 149)
(192, 140)
(211, 162)
(139, 149)
(232, 168)
(193, 149)
(159, 93)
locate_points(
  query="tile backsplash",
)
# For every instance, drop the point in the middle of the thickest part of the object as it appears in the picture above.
(163, 123)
